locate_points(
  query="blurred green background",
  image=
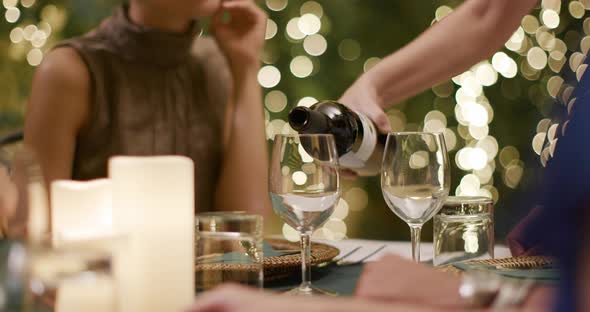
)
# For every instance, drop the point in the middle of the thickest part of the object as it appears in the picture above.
(316, 49)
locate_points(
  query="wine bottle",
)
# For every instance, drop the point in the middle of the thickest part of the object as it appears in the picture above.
(359, 144)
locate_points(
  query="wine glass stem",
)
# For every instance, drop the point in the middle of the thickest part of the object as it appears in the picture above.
(305, 260)
(416, 229)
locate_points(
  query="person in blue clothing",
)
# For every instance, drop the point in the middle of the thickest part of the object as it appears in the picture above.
(560, 225)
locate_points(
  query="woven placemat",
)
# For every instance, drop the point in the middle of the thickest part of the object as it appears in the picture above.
(275, 268)
(529, 262)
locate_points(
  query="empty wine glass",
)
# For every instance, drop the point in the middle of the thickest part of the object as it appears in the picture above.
(415, 179)
(305, 189)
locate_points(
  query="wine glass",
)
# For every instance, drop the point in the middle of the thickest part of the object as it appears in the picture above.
(415, 179)
(305, 188)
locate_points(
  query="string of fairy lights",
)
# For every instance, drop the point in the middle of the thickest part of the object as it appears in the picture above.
(540, 50)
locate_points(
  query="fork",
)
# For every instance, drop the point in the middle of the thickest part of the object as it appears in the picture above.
(343, 263)
(336, 261)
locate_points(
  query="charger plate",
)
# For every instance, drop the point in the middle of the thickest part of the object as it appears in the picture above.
(275, 268)
(515, 263)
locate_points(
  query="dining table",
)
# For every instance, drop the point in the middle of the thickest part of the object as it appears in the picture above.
(342, 279)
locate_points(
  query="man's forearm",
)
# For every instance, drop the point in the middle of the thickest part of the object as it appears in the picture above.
(470, 34)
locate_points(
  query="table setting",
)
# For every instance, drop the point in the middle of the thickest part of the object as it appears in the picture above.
(113, 248)
(415, 181)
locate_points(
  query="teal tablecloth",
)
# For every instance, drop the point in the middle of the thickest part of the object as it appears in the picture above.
(340, 279)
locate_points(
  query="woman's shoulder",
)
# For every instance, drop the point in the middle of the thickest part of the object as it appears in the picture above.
(64, 66)
(60, 93)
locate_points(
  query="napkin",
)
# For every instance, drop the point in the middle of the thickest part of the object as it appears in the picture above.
(269, 251)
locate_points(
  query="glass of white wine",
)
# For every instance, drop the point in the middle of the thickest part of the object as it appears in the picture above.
(415, 179)
(305, 188)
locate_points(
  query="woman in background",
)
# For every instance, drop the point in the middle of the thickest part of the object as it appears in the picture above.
(143, 83)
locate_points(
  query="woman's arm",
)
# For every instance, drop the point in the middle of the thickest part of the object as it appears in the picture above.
(57, 109)
(244, 179)
(468, 35)
(237, 299)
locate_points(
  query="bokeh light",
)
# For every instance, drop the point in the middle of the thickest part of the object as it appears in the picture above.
(275, 101)
(349, 49)
(269, 76)
(271, 29)
(301, 66)
(276, 5)
(315, 45)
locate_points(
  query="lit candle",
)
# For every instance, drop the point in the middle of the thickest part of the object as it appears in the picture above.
(153, 203)
(80, 210)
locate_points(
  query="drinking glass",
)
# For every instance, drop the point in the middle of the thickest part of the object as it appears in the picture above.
(37, 276)
(13, 275)
(76, 276)
(464, 230)
(228, 249)
(415, 179)
(304, 188)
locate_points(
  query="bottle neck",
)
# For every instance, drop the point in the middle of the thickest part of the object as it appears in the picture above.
(307, 121)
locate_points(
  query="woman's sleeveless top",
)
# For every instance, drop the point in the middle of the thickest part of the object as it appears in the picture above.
(153, 93)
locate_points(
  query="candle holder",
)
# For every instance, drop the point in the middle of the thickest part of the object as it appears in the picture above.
(76, 276)
(228, 249)
(464, 230)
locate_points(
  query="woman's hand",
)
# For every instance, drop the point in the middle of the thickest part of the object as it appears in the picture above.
(241, 34)
(362, 97)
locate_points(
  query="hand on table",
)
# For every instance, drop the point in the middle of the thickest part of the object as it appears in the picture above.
(394, 279)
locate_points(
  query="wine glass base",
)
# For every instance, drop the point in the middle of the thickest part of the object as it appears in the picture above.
(310, 291)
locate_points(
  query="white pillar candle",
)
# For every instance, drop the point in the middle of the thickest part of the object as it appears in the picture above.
(153, 202)
(87, 294)
(80, 210)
